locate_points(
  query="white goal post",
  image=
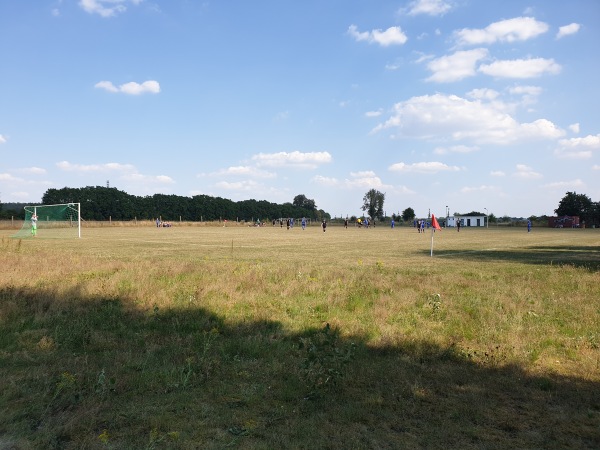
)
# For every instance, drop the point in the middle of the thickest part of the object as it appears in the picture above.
(62, 221)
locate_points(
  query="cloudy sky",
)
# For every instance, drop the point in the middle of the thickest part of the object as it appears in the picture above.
(466, 104)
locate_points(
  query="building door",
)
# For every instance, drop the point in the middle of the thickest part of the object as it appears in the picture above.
(468, 222)
(478, 222)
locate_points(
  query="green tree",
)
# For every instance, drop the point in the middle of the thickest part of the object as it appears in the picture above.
(408, 214)
(573, 204)
(373, 203)
(302, 202)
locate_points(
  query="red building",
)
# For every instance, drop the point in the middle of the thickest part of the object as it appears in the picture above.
(563, 222)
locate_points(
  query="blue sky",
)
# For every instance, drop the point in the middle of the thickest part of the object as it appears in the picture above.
(471, 104)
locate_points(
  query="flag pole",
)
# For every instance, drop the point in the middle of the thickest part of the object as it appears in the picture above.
(432, 230)
(434, 226)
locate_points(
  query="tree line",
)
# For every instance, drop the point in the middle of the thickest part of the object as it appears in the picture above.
(104, 203)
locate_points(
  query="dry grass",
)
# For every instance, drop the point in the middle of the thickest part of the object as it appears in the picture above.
(215, 336)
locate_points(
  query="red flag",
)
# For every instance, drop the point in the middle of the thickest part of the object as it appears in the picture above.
(434, 223)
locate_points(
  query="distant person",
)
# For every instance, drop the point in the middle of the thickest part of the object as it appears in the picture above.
(528, 225)
(422, 226)
(392, 223)
(288, 224)
(346, 223)
(157, 222)
(458, 225)
(304, 223)
(324, 225)
(34, 220)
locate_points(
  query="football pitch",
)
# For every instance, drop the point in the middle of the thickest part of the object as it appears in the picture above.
(264, 337)
(338, 244)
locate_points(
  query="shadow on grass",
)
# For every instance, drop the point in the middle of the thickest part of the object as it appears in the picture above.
(587, 257)
(80, 372)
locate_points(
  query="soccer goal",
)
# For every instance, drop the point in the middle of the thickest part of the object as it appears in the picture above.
(52, 221)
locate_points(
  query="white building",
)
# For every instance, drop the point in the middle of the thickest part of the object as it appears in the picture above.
(466, 221)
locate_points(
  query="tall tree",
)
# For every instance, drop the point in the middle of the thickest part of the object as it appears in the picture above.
(302, 202)
(573, 204)
(408, 214)
(373, 203)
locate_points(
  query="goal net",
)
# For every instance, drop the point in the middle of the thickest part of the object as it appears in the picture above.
(51, 221)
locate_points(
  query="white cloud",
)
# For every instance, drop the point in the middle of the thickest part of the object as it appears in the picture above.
(483, 94)
(432, 167)
(429, 7)
(310, 160)
(365, 180)
(33, 170)
(567, 30)
(107, 86)
(363, 174)
(457, 66)
(393, 66)
(154, 179)
(578, 148)
(164, 179)
(134, 88)
(391, 36)
(21, 196)
(374, 113)
(325, 181)
(106, 8)
(574, 128)
(574, 184)
(510, 30)
(529, 94)
(247, 171)
(126, 172)
(13, 183)
(131, 88)
(596, 167)
(423, 57)
(83, 168)
(497, 173)
(526, 173)
(520, 68)
(247, 185)
(10, 177)
(2, 139)
(455, 149)
(525, 90)
(439, 117)
(482, 188)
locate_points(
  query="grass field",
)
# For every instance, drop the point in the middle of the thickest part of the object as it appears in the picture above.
(263, 338)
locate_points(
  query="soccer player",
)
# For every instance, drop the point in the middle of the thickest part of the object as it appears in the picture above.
(34, 219)
(324, 225)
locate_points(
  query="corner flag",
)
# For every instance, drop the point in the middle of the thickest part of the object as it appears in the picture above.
(434, 226)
